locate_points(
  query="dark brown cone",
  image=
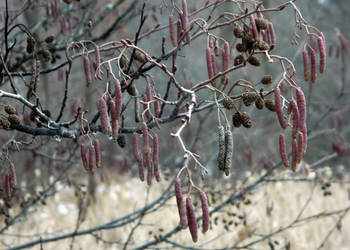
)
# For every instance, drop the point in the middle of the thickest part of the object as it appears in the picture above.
(267, 79)
(236, 120)
(238, 60)
(259, 103)
(14, 119)
(261, 23)
(240, 47)
(270, 104)
(249, 97)
(228, 102)
(253, 61)
(245, 119)
(10, 110)
(238, 32)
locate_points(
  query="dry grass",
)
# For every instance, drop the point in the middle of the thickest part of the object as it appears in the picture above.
(126, 195)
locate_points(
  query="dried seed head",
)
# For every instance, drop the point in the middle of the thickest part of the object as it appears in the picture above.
(50, 38)
(240, 47)
(181, 206)
(10, 110)
(222, 148)
(205, 211)
(132, 90)
(246, 120)
(83, 157)
(97, 148)
(156, 157)
(259, 103)
(238, 60)
(283, 153)
(279, 111)
(270, 104)
(121, 141)
(13, 119)
(236, 120)
(294, 155)
(261, 23)
(238, 32)
(312, 55)
(267, 79)
(191, 218)
(103, 109)
(322, 50)
(140, 57)
(249, 97)
(253, 61)
(92, 160)
(228, 102)
(306, 65)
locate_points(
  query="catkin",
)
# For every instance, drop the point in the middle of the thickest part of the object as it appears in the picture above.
(83, 156)
(146, 153)
(312, 55)
(103, 109)
(306, 65)
(87, 69)
(156, 157)
(113, 109)
(179, 34)
(295, 117)
(294, 154)
(118, 98)
(210, 66)
(322, 50)
(272, 35)
(97, 148)
(115, 129)
(300, 147)
(13, 176)
(254, 28)
(181, 206)
(228, 151)
(279, 110)
(185, 23)
(222, 148)
(191, 218)
(172, 30)
(226, 56)
(283, 153)
(301, 103)
(138, 156)
(205, 211)
(92, 160)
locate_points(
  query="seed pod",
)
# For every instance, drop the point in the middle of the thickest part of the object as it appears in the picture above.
(50, 38)
(229, 150)
(283, 152)
(205, 211)
(102, 108)
(10, 110)
(259, 103)
(210, 66)
(226, 56)
(322, 50)
(249, 97)
(261, 23)
(269, 104)
(156, 157)
(294, 155)
(238, 60)
(118, 98)
(228, 102)
(191, 218)
(306, 65)
(278, 106)
(300, 147)
(238, 32)
(97, 148)
(13, 176)
(87, 69)
(222, 148)
(245, 119)
(295, 116)
(301, 103)
(181, 206)
(83, 157)
(240, 47)
(254, 28)
(138, 156)
(13, 119)
(236, 120)
(312, 55)
(253, 61)
(272, 35)
(172, 30)
(92, 160)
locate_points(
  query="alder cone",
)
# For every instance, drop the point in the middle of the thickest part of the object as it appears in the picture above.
(267, 79)
(246, 120)
(270, 105)
(228, 102)
(10, 110)
(253, 61)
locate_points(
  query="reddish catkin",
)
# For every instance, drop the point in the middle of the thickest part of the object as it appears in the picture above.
(322, 50)
(301, 103)
(181, 206)
(87, 70)
(272, 35)
(148, 99)
(254, 28)
(83, 156)
(13, 176)
(226, 56)
(304, 130)
(283, 153)
(118, 98)
(179, 34)
(295, 117)
(103, 109)
(92, 160)
(279, 110)
(210, 66)
(113, 109)
(115, 129)
(185, 22)
(312, 55)
(8, 187)
(97, 148)
(300, 147)
(172, 30)
(146, 153)
(306, 65)
(294, 154)
(137, 156)
(157, 107)
(205, 211)
(191, 218)
(156, 157)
